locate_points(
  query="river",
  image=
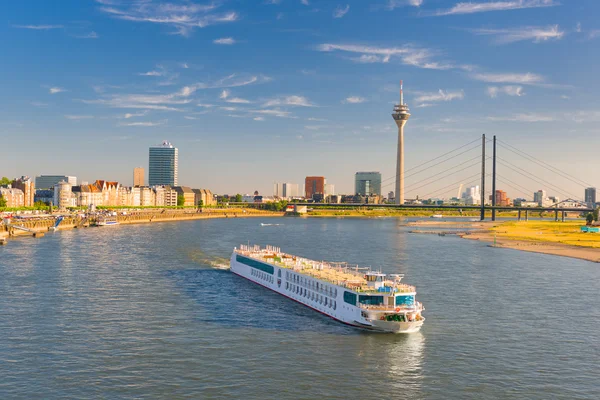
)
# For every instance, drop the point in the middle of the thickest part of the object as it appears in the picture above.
(148, 311)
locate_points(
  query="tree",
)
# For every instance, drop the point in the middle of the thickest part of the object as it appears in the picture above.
(5, 181)
(238, 198)
(2, 202)
(180, 200)
(589, 218)
(200, 203)
(596, 214)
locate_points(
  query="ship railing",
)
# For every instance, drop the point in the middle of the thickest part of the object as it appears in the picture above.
(399, 308)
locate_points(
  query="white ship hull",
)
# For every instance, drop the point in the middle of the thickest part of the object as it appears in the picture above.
(321, 296)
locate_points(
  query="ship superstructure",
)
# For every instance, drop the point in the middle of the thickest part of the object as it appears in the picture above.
(356, 296)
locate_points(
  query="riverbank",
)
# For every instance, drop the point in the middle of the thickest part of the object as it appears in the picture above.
(547, 237)
(35, 227)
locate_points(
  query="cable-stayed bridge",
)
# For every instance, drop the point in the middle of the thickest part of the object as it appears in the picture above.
(467, 166)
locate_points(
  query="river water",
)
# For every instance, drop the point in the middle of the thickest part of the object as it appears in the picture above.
(147, 311)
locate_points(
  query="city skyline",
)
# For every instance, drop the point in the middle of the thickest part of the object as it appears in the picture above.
(326, 92)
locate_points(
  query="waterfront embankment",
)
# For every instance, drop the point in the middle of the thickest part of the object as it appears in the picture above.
(547, 237)
(40, 225)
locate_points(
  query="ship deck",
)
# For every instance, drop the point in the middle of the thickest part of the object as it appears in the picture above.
(341, 274)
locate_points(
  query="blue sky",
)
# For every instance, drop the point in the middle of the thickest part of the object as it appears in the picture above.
(253, 92)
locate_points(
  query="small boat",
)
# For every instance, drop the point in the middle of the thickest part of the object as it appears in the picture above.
(107, 221)
(437, 216)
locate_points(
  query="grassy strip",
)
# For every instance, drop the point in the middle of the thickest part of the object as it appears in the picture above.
(549, 232)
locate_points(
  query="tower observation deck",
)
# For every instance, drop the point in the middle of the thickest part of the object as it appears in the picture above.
(400, 115)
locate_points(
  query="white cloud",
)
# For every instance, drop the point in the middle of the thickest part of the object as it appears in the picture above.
(340, 11)
(205, 105)
(224, 94)
(593, 34)
(535, 34)
(39, 27)
(393, 4)
(38, 104)
(473, 7)
(354, 100)
(300, 101)
(227, 41)
(523, 79)
(424, 105)
(131, 115)
(530, 117)
(56, 89)
(305, 2)
(184, 65)
(316, 119)
(144, 124)
(510, 90)
(190, 117)
(273, 112)
(440, 96)
(258, 118)
(152, 73)
(78, 117)
(184, 18)
(409, 55)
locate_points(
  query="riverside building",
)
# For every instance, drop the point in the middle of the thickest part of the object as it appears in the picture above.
(367, 183)
(49, 181)
(163, 164)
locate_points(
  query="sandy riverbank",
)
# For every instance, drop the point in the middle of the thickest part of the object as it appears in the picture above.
(547, 237)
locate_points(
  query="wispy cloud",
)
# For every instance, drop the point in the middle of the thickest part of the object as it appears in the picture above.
(354, 100)
(593, 34)
(299, 101)
(276, 112)
(493, 91)
(91, 35)
(340, 11)
(523, 79)
(78, 117)
(259, 118)
(532, 33)
(39, 27)
(440, 96)
(530, 117)
(409, 55)
(39, 104)
(226, 41)
(226, 95)
(139, 114)
(152, 73)
(144, 124)
(184, 17)
(56, 89)
(393, 4)
(505, 5)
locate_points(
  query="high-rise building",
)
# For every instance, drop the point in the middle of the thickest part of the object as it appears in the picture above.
(314, 185)
(501, 199)
(285, 190)
(590, 196)
(49, 181)
(138, 176)
(540, 197)
(26, 185)
(162, 165)
(400, 115)
(329, 189)
(367, 183)
(472, 196)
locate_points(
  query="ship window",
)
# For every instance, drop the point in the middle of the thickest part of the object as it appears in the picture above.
(405, 300)
(350, 298)
(287, 286)
(334, 304)
(370, 300)
(325, 300)
(255, 264)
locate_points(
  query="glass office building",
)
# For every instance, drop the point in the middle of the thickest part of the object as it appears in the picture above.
(163, 165)
(367, 183)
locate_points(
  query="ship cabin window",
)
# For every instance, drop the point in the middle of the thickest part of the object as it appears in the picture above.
(370, 300)
(325, 300)
(279, 273)
(255, 264)
(405, 300)
(350, 298)
(374, 278)
(334, 304)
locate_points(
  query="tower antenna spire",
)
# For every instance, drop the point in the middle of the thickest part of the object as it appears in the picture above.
(401, 94)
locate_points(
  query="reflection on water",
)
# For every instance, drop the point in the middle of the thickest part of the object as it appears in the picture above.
(145, 311)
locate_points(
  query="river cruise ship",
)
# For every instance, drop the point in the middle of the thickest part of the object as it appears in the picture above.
(355, 296)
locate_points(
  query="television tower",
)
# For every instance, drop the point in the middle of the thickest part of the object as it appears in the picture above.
(400, 115)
